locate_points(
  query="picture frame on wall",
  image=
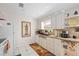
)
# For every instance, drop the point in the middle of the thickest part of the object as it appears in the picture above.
(26, 28)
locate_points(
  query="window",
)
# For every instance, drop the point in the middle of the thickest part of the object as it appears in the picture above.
(46, 24)
(42, 25)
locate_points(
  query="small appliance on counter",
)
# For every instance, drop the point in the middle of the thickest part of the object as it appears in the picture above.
(43, 32)
(64, 34)
(74, 36)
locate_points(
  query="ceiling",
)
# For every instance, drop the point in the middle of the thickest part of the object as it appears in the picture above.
(33, 10)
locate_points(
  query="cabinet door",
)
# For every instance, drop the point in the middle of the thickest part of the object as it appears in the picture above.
(53, 21)
(42, 42)
(50, 45)
(58, 47)
(77, 49)
(52, 49)
(37, 39)
(60, 21)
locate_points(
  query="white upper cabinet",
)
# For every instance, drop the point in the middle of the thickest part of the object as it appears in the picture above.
(72, 17)
(53, 21)
(59, 18)
(72, 13)
(58, 21)
(73, 22)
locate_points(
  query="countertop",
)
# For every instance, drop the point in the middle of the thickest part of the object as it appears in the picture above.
(67, 39)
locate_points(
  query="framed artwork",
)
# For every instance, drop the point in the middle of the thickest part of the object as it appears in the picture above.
(26, 29)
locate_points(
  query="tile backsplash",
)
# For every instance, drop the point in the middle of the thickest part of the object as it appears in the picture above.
(72, 31)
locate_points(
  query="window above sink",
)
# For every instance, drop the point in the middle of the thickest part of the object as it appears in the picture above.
(46, 25)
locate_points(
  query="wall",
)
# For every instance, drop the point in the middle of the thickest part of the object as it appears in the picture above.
(8, 30)
(14, 31)
(21, 42)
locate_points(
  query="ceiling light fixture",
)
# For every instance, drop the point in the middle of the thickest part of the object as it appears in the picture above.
(21, 5)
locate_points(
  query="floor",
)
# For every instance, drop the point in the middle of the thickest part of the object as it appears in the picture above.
(26, 51)
(40, 50)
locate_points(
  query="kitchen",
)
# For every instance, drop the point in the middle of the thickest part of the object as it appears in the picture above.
(55, 28)
(60, 34)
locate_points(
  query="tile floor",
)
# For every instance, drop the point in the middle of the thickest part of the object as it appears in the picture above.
(28, 51)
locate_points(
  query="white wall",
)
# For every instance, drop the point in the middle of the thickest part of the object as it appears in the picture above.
(22, 42)
(8, 30)
(14, 31)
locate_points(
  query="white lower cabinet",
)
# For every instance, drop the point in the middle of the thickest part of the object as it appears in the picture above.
(58, 47)
(42, 42)
(37, 39)
(52, 45)
(77, 49)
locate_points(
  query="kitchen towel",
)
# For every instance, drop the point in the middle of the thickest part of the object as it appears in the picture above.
(6, 46)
